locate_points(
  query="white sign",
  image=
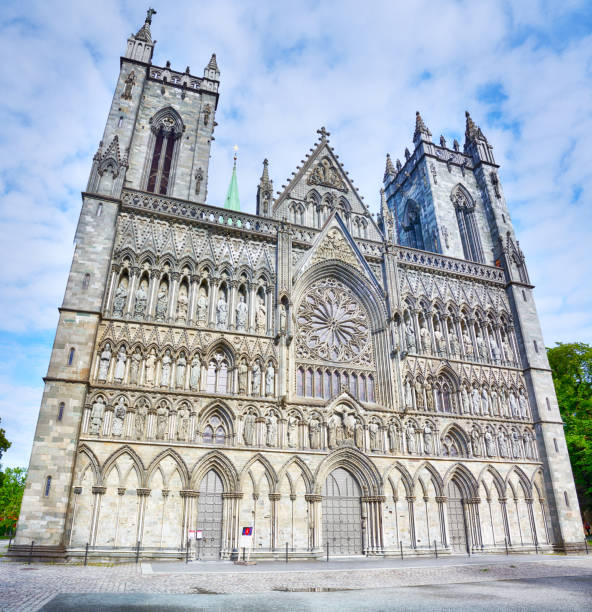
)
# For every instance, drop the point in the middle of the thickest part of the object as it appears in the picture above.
(199, 534)
(246, 537)
(192, 534)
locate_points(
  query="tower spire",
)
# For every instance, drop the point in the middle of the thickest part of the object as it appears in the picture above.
(140, 45)
(390, 168)
(472, 131)
(232, 200)
(421, 131)
(144, 32)
(264, 192)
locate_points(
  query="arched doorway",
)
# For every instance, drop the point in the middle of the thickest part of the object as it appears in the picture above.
(342, 516)
(457, 528)
(209, 515)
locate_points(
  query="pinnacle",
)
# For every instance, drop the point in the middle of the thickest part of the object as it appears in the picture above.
(472, 131)
(390, 169)
(212, 64)
(144, 32)
(420, 128)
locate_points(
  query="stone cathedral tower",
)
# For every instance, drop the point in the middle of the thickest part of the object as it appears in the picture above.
(305, 370)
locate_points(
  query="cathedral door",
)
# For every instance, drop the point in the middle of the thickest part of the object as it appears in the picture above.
(456, 518)
(342, 519)
(209, 515)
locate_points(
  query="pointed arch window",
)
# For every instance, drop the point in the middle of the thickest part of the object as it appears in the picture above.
(163, 149)
(467, 224)
(413, 236)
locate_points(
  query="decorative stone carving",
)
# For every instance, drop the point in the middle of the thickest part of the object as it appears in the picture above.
(182, 424)
(408, 397)
(481, 347)
(136, 362)
(314, 431)
(243, 372)
(261, 318)
(515, 445)
(165, 375)
(162, 300)
(150, 369)
(129, 86)
(503, 444)
(104, 362)
(467, 343)
(283, 319)
(292, 432)
(221, 312)
(514, 410)
(476, 401)
(523, 405)
(141, 300)
(162, 422)
(195, 374)
(198, 179)
(181, 365)
(256, 379)
(140, 421)
(207, 111)
(270, 380)
(410, 435)
(241, 314)
(476, 443)
(118, 417)
(410, 342)
(182, 304)
(249, 429)
(440, 341)
(393, 438)
(494, 349)
(325, 174)
(96, 416)
(489, 444)
(120, 365)
(271, 426)
(120, 298)
(465, 400)
(428, 440)
(484, 402)
(202, 307)
(373, 433)
(425, 338)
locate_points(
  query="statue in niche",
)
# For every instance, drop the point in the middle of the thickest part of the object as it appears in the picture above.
(440, 342)
(410, 337)
(464, 398)
(128, 86)
(476, 401)
(104, 362)
(261, 318)
(96, 416)
(359, 435)
(514, 411)
(206, 113)
(418, 388)
(495, 408)
(243, 372)
(120, 365)
(349, 424)
(221, 312)
(181, 366)
(515, 445)
(410, 436)
(429, 395)
(481, 347)
(162, 422)
(182, 425)
(528, 445)
(162, 300)
(489, 444)
(476, 443)
(198, 179)
(484, 402)
(283, 319)
(314, 432)
(332, 424)
(165, 376)
(136, 362)
(120, 299)
(141, 300)
(271, 425)
(292, 432)
(256, 379)
(373, 432)
(202, 307)
(249, 429)
(195, 373)
(494, 349)
(523, 405)
(467, 343)
(454, 345)
(428, 440)
(393, 439)
(241, 314)
(270, 380)
(426, 339)
(118, 417)
(140, 422)
(150, 369)
(408, 399)
(508, 355)
(503, 444)
(182, 304)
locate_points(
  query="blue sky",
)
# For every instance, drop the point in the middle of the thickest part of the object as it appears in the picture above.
(523, 69)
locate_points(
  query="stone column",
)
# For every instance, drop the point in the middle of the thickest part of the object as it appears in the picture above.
(142, 494)
(152, 292)
(98, 492)
(471, 330)
(410, 510)
(214, 285)
(251, 302)
(458, 329)
(314, 521)
(189, 515)
(231, 518)
(269, 300)
(260, 432)
(502, 501)
(128, 309)
(430, 323)
(193, 291)
(173, 290)
(232, 304)
(274, 498)
(441, 501)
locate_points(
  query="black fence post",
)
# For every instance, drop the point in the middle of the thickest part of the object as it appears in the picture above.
(31, 551)
(401, 548)
(286, 552)
(11, 536)
(436, 548)
(138, 551)
(187, 551)
(86, 555)
(506, 543)
(586, 544)
(327, 550)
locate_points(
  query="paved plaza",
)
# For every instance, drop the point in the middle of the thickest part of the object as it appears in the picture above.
(544, 582)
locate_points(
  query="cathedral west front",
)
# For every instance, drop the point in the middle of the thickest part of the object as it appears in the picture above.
(330, 378)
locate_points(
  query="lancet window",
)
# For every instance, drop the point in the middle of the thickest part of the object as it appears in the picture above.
(467, 225)
(167, 128)
(412, 226)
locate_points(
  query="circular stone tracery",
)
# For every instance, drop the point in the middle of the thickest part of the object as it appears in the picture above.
(332, 324)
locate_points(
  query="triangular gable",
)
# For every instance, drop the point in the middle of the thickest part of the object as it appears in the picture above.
(335, 242)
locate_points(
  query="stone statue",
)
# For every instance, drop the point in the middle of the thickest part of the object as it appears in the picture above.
(428, 441)
(515, 445)
(140, 422)
(243, 372)
(503, 444)
(202, 308)
(508, 356)
(408, 399)
(514, 411)
(484, 402)
(162, 300)
(221, 312)
(181, 365)
(393, 439)
(104, 362)
(410, 435)
(118, 418)
(261, 318)
(195, 374)
(136, 362)
(128, 86)
(476, 443)
(141, 301)
(292, 432)
(359, 435)
(528, 446)
(182, 424)
(454, 345)
(440, 342)
(489, 444)
(495, 408)
(467, 343)
(464, 396)
(373, 432)
(270, 380)
(476, 401)
(198, 179)
(314, 431)
(410, 338)
(256, 379)
(481, 347)
(182, 304)
(418, 388)
(162, 421)
(523, 405)
(429, 395)
(96, 416)
(495, 352)
(249, 429)
(283, 318)
(426, 339)
(120, 365)
(150, 369)
(119, 299)
(271, 424)
(332, 424)
(165, 377)
(241, 314)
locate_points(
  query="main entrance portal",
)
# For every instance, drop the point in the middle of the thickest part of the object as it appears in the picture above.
(209, 515)
(342, 519)
(456, 518)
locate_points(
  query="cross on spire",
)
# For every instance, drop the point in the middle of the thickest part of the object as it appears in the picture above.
(149, 14)
(323, 132)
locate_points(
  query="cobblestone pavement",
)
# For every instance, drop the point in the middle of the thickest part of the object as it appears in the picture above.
(24, 587)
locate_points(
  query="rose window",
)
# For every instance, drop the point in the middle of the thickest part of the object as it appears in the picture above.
(332, 324)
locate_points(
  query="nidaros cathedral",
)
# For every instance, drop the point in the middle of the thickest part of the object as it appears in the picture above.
(308, 371)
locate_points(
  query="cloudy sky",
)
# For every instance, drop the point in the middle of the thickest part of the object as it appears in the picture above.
(362, 69)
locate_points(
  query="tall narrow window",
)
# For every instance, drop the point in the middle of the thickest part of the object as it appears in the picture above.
(71, 356)
(467, 224)
(308, 391)
(300, 382)
(167, 128)
(48, 486)
(86, 281)
(548, 403)
(555, 444)
(99, 209)
(412, 225)
(61, 411)
(566, 498)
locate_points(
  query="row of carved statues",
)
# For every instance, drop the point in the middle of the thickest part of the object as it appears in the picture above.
(342, 427)
(184, 373)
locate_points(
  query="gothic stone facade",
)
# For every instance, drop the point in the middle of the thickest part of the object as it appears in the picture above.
(308, 371)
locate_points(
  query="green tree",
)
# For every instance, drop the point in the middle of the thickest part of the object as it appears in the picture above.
(4, 443)
(11, 495)
(572, 374)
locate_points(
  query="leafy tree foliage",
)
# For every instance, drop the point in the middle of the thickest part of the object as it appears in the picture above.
(572, 374)
(11, 495)
(4, 443)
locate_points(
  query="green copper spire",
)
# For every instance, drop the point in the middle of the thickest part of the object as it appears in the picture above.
(232, 199)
